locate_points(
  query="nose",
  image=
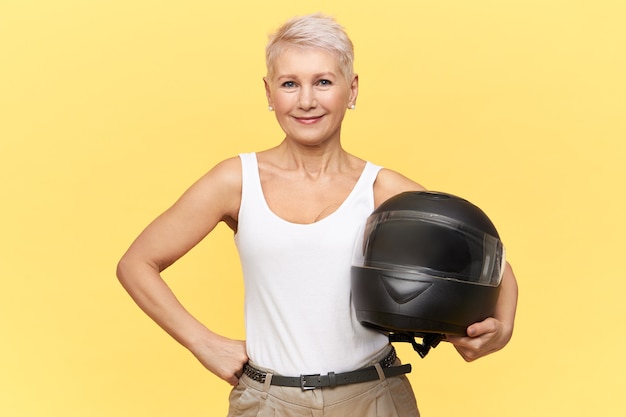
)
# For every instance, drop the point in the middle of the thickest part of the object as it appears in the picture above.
(306, 98)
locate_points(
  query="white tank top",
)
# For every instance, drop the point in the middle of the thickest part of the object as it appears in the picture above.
(298, 310)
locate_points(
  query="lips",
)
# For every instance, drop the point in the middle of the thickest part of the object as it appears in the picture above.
(308, 120)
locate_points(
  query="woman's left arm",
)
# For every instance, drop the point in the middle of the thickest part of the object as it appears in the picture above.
(493, 333)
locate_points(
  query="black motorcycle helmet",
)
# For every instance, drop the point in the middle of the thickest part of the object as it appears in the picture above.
(426, 264)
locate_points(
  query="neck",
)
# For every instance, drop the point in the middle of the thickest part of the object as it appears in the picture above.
(313, 160)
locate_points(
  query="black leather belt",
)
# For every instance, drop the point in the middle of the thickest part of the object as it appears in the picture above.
(331, 379)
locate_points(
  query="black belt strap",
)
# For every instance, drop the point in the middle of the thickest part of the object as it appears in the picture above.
(307, 382)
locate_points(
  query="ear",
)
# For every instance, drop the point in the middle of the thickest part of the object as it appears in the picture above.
(354, 90)
(268, 92)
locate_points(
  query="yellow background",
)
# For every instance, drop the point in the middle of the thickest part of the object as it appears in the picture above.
(110, 109)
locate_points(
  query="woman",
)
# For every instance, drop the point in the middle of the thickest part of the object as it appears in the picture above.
(295, 210)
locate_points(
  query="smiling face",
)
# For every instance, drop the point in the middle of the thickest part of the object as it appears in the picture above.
(310, 95)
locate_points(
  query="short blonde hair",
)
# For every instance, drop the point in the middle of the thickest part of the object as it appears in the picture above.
(312, 31)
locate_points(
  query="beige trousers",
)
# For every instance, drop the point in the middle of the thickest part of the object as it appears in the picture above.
(390, 397)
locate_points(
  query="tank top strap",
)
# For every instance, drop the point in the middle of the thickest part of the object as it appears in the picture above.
(367, 178)
(250, 179)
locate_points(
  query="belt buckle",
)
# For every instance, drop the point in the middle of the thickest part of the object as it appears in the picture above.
(303, 382)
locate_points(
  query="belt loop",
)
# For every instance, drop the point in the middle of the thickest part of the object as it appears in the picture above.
(267, 384)
(332, 380)
(381, 374)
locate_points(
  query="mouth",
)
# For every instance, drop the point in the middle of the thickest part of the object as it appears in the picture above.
(308, 120)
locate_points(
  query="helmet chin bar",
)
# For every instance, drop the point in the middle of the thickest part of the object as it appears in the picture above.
(429, 341)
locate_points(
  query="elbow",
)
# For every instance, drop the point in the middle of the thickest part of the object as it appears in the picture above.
(120, 270)
(132, 269)
(123, 270)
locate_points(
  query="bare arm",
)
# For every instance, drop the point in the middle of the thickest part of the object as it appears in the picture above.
(213, 198)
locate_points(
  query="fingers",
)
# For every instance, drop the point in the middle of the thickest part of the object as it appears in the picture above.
(233, 380)
(225, 358)
(469, 353)
(486, 326)
(232, 377)
(483, 339)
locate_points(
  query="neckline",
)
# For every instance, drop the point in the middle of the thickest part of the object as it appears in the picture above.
(335, 213)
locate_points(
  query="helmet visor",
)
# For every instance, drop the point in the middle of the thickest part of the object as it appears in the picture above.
(430, 244)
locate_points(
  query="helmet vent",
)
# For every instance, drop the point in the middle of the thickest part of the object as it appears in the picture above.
(403, 290)
(435, 195)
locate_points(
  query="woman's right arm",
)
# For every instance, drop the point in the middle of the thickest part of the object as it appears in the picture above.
(213, 198)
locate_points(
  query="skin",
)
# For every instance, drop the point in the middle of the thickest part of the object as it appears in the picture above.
(305, 178)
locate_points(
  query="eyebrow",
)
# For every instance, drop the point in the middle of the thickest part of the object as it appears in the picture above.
(319, 75)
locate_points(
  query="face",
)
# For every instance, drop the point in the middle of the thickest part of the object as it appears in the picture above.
(310, 95)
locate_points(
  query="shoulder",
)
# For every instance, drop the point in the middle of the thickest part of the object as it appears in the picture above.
(227, 171)
(218, 191)
(224, 176)
(389, 183)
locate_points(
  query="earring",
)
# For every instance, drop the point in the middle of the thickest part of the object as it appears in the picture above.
(352, 107)
(270, 108)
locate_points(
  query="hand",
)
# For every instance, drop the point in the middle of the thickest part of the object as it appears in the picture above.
(483, 338)
(493, 333)
(224, 357)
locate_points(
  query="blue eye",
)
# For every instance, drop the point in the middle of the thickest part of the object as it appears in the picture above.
(289, 84)
(324, 82)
